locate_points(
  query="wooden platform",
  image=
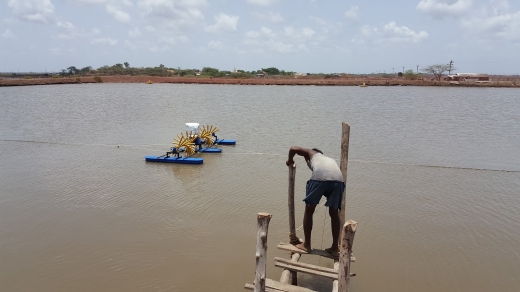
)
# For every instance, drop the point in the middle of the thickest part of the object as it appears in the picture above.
(306, 268)
(275, 286)
(291, 248)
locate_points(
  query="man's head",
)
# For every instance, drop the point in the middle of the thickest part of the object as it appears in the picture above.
(317, 150)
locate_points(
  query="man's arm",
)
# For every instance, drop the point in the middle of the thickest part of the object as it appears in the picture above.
(305, 152)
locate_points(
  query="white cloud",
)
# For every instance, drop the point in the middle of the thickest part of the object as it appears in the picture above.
(96, 31)
(149, 28)
(61, 50)
(308, 32)
(274, 17)
(8, 34)
(352, 13)
(113, 2)
(252, 34)
(403, 34)
(156, 49)
(134, 33)
(104, 41)
(444, 8)
(391, 33)
(174, 40)
(299, 35)
(65, 24)
(287, 41)
(216, 45)
(65, 36)
(499, 26)
(130, 46)
(174, 14)
(33, 10)
(223, 23)
(119, 15)
(281, 47)
(262, 2)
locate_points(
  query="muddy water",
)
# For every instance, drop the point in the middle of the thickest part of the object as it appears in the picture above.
(434, 182)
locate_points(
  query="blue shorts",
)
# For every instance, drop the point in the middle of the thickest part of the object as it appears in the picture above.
(332, 190)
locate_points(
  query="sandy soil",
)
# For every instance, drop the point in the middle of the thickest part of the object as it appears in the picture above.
(339, 81)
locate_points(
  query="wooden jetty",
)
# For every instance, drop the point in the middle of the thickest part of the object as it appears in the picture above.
(340, 274)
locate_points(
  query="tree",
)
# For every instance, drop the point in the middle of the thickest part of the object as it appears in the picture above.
(437, 70)
(72, 70)
(127, 65)
(85, 70)
(209, 71)
(410, 74)
(271, 71)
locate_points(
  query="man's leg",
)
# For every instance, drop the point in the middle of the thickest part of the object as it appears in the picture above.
(334, 225)
(307, 228)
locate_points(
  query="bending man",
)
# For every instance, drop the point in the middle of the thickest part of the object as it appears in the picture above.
(326, 181)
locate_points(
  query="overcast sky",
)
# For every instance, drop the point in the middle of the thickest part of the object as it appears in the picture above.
(292, 35)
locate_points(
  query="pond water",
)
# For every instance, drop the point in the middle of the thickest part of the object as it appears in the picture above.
(433, 182)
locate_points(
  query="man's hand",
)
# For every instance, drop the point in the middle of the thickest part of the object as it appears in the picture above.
(289, 162)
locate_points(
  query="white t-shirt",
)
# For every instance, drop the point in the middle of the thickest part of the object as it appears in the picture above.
(325, 168)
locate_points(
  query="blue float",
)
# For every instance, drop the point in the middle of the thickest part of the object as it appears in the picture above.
(173, 159)
(225, 142)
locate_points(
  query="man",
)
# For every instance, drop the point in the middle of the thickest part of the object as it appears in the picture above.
(327, 181)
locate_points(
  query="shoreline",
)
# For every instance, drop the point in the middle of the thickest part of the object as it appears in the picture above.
(301, 81)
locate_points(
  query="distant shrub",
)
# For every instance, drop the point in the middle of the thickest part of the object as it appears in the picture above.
(57, 76)
(78, 80)
(27, 77)
(241, 75)
(98, 79)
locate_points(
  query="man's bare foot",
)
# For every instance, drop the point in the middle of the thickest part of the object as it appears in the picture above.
(304, 247)
(295, 242)
(333, 251)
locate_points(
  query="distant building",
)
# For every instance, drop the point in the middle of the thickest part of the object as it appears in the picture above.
(260, 75)
(468, 77)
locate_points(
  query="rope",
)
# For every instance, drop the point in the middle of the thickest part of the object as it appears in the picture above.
(256, 153)
(300, 228)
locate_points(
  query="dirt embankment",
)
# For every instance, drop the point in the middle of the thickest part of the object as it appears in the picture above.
(309, 80)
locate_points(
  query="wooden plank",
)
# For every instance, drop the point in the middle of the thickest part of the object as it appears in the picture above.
(252, 288)
(274, 286)
(319, 252)
(347, 241)
(306, 271)
(335, 282)
(345, 136)
(305, 265)
(292, 248)
(286, 287)
(261, 251)
(289, 276)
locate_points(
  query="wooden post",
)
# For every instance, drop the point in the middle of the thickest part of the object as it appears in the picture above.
(293, 239)
(345, 254)
(290, 277)
(261, 251)
(335, 282)
(345, 136)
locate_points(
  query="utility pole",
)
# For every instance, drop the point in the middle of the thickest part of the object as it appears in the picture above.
(403, 69)
(393, 71)
(449, 70)
(417, 69)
